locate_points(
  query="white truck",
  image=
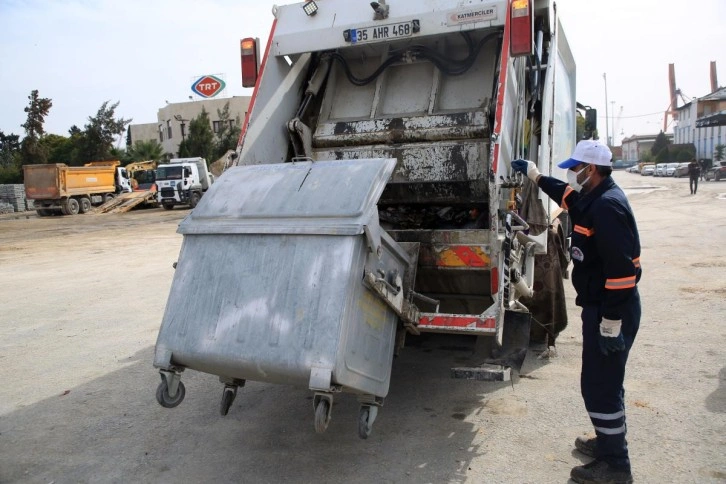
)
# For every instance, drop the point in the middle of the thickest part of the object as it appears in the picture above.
(182, 181)
(443, 93)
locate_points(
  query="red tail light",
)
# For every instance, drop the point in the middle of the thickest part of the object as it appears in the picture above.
(250, 63)
(521, 29)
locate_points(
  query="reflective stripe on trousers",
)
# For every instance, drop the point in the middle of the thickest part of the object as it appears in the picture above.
(601, 382)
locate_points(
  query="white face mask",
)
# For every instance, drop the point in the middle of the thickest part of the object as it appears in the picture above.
(572, 179)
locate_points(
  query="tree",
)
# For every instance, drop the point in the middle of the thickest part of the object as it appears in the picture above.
(59, 148)
(228, 134)
(200, 140)
(31, 149)
(10, 158)
(718, 152)
(663, 155)
(145, 150)
(99, 134)
(684, 155)
(661, 142)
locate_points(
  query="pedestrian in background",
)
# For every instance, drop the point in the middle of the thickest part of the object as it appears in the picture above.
(605, 252)
(694, 171)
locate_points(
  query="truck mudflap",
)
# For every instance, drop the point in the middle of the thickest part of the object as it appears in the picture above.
(285, 276)
(505, 356)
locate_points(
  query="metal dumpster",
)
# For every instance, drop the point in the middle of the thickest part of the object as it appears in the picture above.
(272, 285)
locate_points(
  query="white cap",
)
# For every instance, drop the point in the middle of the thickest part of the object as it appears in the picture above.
(589, 151)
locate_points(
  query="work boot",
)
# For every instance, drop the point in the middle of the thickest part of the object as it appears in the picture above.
(600, 472)
(586, 444)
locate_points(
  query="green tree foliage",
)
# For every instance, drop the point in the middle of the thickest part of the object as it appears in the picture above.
(10, 158)
(661, 142)
(145, 150)
(99, 134)
(59, 148)
(228, 134)
(31, 150)
(718, 152)
(683, 156)
(200, 140)
(663, 156)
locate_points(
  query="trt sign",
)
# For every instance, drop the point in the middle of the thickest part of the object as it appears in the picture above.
(208, 86)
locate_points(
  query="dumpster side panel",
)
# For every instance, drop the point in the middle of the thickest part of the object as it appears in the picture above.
(262, 317)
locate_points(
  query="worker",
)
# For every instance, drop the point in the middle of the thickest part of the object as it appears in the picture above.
(605, 251)
(694, 171)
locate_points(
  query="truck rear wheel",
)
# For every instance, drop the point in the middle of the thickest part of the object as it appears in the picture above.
(108, 196)
(70, 207)
(84, 204)
(167, 205)
(194, 199)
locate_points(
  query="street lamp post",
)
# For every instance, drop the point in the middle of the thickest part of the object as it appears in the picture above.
(607, 132)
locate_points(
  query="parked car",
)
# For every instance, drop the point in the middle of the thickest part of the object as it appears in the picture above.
(633, 169)
(670, 169)
(660, 169)
(622, 164)
(716, 173)
(681, 170)
(647, 170)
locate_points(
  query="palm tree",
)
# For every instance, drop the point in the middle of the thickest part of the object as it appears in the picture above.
(145, 150)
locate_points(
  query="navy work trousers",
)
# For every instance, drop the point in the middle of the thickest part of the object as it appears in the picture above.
(601, 382)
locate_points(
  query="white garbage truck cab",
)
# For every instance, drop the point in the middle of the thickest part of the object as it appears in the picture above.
(182, 181)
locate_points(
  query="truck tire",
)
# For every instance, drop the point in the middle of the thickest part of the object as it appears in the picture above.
(167, 205)
(84, 204)
(70, 207)
(44, 212)
(108, 196)
(194, 199)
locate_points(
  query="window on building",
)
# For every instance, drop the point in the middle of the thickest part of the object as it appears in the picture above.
(168, 128)
(216, 126)
(161, 133)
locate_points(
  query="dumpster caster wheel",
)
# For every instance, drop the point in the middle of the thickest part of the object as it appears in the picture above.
(228, 395)
(163, 397)
(366, 416)
(322, 415)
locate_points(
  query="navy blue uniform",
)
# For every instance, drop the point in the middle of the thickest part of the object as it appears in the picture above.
(605, 253)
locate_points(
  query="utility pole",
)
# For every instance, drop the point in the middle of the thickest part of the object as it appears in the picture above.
(607, 132)
(612, 122)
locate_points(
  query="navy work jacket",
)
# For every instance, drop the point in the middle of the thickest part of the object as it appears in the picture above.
(605, 248)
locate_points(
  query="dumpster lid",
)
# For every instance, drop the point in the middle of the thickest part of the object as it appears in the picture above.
(322, 197)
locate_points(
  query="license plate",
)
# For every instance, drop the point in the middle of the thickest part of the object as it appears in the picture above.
(378, 33)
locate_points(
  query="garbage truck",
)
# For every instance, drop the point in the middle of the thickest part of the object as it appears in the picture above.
(372, 199)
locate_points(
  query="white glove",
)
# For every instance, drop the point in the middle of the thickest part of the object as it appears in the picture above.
(527, 167)
(610, 327)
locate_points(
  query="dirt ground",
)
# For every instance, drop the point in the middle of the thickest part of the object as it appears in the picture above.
(82, 298)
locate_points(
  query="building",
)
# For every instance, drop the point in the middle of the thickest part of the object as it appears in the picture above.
(703, 123)
(172, 124)
(635, 147)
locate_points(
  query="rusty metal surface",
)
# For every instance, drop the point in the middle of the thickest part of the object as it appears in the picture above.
(435, 127)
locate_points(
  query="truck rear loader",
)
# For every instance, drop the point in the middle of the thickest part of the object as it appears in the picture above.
(73, 189)
(376, 153)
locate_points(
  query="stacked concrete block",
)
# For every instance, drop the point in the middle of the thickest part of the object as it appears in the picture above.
(14, 195)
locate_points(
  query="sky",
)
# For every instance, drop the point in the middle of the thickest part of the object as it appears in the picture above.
(144, 53)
